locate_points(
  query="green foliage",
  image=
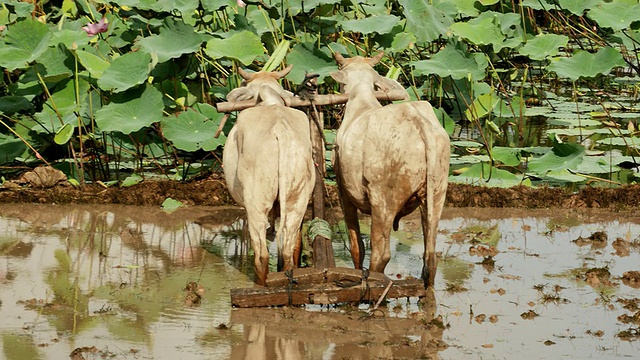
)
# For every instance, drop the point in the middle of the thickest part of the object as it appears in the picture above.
(584, 64)
(141, 90)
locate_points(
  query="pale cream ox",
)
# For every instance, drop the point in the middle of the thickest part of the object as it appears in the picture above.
(389, 160)
(268, 165)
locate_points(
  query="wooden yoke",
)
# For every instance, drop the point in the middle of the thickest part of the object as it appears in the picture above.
(319, 100)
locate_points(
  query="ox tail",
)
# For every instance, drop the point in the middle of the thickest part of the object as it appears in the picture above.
(431, 206)
(282, 132)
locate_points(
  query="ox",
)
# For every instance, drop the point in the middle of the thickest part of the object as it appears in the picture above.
(388, 160)
(268, 166)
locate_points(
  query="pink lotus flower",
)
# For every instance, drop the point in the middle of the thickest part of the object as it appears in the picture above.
(94, 29)
(241, 3)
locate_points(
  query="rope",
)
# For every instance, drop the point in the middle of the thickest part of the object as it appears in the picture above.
(289, 274)
(364, 284)
(319, 227)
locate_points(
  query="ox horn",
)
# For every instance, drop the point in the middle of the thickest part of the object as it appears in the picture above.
(339, 58)
(282, 73)
(376, 59)
(246, 75)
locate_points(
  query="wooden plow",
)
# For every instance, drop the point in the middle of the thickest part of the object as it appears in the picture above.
(324, 284)
(324, 287)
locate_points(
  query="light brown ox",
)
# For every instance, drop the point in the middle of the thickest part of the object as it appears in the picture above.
(268, 165)
(389, 160)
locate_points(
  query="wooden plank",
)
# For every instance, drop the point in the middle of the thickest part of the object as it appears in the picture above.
(324, 293)
(327, 99)
(302, 276)
(308, 276)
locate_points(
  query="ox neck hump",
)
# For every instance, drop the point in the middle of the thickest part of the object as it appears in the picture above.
(361, 98)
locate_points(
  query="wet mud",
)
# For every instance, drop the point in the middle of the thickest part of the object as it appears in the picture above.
(124, 282)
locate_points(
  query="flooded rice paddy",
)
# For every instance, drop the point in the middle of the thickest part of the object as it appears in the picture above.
(114, 282)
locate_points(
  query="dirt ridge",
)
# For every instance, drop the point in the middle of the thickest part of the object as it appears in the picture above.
(212, 191)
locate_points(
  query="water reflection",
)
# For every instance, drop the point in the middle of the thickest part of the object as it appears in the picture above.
(115, 278)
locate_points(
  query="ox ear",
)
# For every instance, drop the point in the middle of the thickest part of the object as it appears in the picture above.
(339, 76)
(389, 85)
(339, 58)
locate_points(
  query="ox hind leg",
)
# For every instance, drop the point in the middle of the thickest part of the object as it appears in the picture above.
(258, 222)
(381, 223)
(356, 245)
(289, 236)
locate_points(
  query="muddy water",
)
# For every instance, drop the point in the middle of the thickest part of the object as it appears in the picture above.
(113, 282)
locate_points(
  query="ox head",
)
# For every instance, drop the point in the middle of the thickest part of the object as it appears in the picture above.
(359, 71)
(263, 87)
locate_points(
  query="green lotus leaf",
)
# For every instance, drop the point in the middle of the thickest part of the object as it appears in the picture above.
(61, 108)
(402, 41)
(598, 165)
(243, 46)
(306, 58)
(11, 104)
(466, 7)
(585, 64)
(10, 148)
(213, 5)
(176, 93)
(515, 108)
(381, 24)
(469, 159)
(543, 46)
(537, 4)
(632, 142)
(95, 65)
(563, 156)
(191, 131)
(480, 31)
(482, 106)
(506, 155)
(131, 110)
(617, 15)
(454, 63)
(24, 42)
(154, 5)
(576, 131)
(483, 174)
(175, 39)
(564, 176)
(170, 205)
(57, 64)
(126, 71)
(425, 21)
(577, 7)
(259, 20)
(131, 180)
(70, 38)
(466, 143)
(573, 122)
(445, 120)
(64, 134)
